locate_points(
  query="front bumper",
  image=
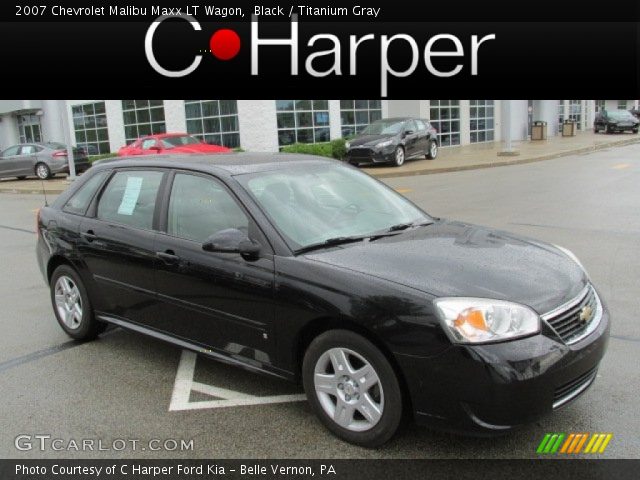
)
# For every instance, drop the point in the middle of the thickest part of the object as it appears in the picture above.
(359, 156)
(493, 388)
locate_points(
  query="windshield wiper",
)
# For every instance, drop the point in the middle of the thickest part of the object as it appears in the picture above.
(395, 229)
(330, 242)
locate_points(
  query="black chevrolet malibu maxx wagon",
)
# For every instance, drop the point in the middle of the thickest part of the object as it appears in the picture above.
(310, 270)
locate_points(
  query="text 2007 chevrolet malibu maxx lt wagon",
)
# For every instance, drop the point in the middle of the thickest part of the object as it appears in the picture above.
(308, 269)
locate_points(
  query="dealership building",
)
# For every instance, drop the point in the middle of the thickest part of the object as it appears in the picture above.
(103, 126)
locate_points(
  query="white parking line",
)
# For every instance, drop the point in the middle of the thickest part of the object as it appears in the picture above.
(184, 385)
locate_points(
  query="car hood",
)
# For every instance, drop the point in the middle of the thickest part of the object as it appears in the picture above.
(459, 259)
(368, 140)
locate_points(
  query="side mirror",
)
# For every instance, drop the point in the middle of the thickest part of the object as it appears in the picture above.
(157, 148)
(232, 240)
(408, 132)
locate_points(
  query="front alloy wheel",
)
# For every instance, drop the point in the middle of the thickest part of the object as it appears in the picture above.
(399, 157)
(433, 150)
(348, 389)
(352, 388)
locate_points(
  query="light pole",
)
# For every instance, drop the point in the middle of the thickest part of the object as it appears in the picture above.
(64, 120)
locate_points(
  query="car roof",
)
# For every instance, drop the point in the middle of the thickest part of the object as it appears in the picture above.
(165, 135)
(224, 164)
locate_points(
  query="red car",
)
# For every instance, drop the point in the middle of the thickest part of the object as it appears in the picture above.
(169, 143)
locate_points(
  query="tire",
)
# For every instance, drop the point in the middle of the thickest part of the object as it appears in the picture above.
(607, 130)
(635, 130)
(596, 129)
(78, 324)
(381, 402)
(432, 151)
(399, 157)
(42, 170)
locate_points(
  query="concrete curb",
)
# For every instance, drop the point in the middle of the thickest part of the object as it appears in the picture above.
(499, 162)
(504, 163)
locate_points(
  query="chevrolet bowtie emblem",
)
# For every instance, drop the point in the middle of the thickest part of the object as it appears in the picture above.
(585, 314)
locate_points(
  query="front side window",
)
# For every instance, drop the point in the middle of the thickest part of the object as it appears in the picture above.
(148, 143)
(80, 200)
(130, 198)
(11, 151)
(201, 206)
(311, 204)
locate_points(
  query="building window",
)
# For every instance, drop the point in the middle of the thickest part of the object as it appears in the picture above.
(575, 112)
(600, 105)
(142, 117)
(482, 120)
(29, 128)
(357, 114)
(302, 121)
(445, 117)
(90, 126)
(213, 121)
(622, 104)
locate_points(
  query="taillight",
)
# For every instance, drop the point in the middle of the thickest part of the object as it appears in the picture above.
(60, 153)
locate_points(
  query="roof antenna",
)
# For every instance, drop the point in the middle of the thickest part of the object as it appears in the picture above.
(44, 192)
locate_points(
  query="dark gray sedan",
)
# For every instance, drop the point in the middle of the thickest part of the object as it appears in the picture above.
(40, 159)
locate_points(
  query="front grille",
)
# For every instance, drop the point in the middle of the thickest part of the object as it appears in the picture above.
(360, 153)
(569, 322)
(568, 391)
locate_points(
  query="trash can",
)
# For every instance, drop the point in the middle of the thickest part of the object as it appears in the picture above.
(539, 130)
(569, 128)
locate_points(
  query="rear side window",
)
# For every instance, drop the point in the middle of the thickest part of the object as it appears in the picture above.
(130, 198)
(80, 200)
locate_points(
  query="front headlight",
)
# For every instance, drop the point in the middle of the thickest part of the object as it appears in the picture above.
(573, 257)
(347, 144)
(481, 320)
(386, 143)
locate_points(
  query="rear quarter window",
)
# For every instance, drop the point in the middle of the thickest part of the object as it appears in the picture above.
(80, 200)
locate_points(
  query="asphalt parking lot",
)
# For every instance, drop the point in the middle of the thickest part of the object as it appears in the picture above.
(126, 386)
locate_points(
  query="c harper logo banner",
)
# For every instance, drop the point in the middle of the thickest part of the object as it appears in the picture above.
(574, 443)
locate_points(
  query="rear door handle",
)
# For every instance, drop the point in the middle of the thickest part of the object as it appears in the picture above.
(89, 236)
(169, 257)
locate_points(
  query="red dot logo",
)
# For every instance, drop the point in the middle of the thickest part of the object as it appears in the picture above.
(224, 44)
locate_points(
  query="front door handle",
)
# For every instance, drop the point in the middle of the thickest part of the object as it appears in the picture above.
(89, 236)
(168, 256)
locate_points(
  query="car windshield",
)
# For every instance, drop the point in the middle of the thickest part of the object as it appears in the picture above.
(177, 141)
(312, 204)
(384, 127)
(620, 115)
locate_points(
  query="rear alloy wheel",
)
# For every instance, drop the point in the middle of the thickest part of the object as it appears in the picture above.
(71, 305)
(43, 172)
(352, 388)
(433, 150)
(398, 158)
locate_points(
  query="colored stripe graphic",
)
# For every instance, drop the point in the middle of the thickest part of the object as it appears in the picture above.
(573, 443)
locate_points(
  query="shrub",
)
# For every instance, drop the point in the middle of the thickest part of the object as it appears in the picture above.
(334, 149)
(93, 158)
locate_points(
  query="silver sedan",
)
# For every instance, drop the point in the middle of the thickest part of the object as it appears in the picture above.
(40, 159)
